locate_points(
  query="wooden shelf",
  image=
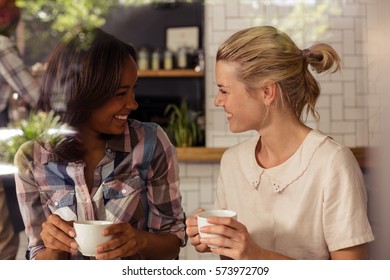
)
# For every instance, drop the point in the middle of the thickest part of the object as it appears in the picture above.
(206, 155)
(175, 73)
(200, 154)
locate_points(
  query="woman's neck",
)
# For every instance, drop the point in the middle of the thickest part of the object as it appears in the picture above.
(94, 145)
(279, 142)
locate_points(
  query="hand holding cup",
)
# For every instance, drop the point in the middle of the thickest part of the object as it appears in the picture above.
(89, 234)
(202, 221)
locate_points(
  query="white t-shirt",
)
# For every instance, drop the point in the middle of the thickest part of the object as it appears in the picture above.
(313, 203)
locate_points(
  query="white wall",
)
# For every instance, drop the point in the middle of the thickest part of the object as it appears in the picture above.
(347, 108)
(379, 187)
(349, 103)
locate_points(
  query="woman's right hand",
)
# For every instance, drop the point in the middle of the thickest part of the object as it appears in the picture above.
(58, 235)
(193, 233)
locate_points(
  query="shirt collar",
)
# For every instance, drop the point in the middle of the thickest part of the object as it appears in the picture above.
(121, 142)
(285, 174)
(247, 158)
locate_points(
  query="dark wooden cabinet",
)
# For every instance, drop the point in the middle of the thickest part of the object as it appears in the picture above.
(145, 26)
(158, 88)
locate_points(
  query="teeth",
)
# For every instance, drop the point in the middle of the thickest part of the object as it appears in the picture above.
(121, 117)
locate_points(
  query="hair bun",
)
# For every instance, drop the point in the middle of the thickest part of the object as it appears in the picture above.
(309, 56)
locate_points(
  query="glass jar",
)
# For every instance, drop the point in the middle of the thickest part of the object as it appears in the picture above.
(182, 58)
(156, 60)
(168, 60)
(143, 59)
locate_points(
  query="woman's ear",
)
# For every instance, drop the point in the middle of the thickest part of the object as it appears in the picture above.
(269, 91)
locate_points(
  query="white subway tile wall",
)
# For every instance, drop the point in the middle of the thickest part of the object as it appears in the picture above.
(198, 182)
(348, 105)
(348, 24)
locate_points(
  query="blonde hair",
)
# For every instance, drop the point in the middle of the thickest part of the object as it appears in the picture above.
(265, 53)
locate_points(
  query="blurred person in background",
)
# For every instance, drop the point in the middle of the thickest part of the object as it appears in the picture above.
(18, 89)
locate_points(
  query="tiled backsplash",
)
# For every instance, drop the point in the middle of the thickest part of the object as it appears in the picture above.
(198, 182)
(345, 104)
(348, 104)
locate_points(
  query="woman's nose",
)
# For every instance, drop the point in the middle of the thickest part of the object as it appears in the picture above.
(217, 100)
(131, 104)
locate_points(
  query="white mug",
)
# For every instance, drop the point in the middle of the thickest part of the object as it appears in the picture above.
(89, 234)
(202, 221)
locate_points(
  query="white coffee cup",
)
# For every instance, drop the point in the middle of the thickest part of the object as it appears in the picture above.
(202, 221)
(89, 234)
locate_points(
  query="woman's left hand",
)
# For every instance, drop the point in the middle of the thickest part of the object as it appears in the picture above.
(126, 241)
(236, 243)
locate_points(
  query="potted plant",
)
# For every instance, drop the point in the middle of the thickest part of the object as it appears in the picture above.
(182, 125)
(38, 125)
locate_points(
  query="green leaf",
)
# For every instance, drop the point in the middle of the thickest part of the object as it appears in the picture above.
(36, 126)
(182, 124)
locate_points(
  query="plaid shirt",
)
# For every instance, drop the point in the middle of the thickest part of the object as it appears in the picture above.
(14, 76)
(45, 186)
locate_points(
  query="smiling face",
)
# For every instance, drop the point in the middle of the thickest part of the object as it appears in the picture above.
(244, 111)
(111, 118)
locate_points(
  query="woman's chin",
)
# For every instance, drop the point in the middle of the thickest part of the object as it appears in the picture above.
(234, 130)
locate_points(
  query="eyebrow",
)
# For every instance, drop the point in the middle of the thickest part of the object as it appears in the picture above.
(127, 86)
(121, 88)
(220, 85)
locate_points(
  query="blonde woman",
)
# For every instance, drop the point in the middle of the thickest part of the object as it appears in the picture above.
(298, 193)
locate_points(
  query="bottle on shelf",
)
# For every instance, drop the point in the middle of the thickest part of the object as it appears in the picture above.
(143, 59)
(168, 60)
(156, 59)
(182, 58)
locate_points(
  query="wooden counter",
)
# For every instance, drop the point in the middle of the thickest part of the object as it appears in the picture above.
(208, 155)
(202, 154)
(174, 73)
